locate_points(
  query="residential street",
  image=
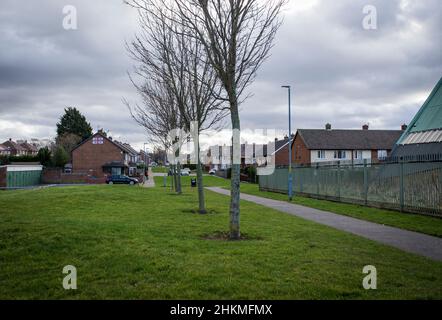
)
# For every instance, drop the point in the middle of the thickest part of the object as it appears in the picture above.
(413, 242)
(221, 159)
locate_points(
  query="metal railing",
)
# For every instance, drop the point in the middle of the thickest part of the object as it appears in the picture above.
(408, 186)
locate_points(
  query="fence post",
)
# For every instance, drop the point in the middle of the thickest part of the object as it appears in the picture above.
(301, 172)
(365, 182)
(317, 179)
(401, 184)
(339, 180)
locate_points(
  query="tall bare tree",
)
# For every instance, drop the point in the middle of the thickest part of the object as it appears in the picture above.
(158, 114)
(166, 50)
(237, 36)
(195, 84)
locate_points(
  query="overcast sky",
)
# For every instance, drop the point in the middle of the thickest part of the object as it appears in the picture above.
(340, 72)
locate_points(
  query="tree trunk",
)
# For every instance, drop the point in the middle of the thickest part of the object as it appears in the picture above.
(235, 179)
(178, 184)
(174, 184)
(178, 173)
(199, 173)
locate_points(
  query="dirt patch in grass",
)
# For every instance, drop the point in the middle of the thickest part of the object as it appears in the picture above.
(196, 211)
(225, 236)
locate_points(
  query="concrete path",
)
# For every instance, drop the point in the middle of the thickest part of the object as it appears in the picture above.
(150, 183)
(417, 243)
(159, 174)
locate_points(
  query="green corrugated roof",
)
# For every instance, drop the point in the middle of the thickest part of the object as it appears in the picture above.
(429, 116)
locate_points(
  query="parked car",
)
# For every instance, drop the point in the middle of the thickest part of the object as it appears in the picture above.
(212, 172)
(121, 180)
(185, 172)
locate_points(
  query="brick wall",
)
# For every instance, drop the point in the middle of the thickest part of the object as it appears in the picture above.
(3, 177)
(91, 157)
(282, 157)
(374, 155)
(56, 176)
(303, 155)
(51, 176)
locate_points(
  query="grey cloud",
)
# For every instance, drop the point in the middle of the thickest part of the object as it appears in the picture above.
(340, 72)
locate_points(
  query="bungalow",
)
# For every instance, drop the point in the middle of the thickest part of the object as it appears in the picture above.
(327, 145)
(423, 137)
(101, 156)
(355, 146)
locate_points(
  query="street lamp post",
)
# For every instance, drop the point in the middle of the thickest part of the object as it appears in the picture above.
(290, 178)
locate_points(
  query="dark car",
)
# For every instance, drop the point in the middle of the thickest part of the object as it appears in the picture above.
(121, 180)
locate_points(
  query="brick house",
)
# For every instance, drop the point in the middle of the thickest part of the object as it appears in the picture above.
(4, 150)
(31, 150)
(281, 153)
(15, 148)
(101, 156)
(316, 146)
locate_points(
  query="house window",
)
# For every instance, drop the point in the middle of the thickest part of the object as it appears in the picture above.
(321, 154)
(339, 154)
(382, 154)
(357, 155)
(98, 140)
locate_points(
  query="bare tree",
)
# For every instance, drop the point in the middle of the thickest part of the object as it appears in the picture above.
(195, 84)
(237, 36)
(158, 114)
(167, 50)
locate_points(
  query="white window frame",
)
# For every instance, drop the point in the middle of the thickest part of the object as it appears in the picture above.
(343, 154)
(321, 154)
(382, 154)
(97, 140)
(358, 153)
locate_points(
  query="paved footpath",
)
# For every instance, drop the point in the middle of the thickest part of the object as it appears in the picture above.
(418, 243)
(150, 183)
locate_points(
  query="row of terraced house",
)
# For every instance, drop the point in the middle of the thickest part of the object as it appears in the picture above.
(18, 148)
(421, 138)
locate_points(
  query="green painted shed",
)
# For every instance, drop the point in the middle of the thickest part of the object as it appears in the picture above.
(20, 176)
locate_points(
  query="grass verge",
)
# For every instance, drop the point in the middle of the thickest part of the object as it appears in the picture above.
(137, 243)
(413, 222)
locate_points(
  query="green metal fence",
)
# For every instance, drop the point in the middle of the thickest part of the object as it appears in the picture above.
(19, 179)
(406, 186)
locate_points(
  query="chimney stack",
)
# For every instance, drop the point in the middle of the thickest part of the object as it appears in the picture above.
(328, 126)
(365, 127)
(404, 127)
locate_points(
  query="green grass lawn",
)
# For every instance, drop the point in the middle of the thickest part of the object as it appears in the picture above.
(136, 243)
(413, 222)
(408, 221)
(159, 169)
